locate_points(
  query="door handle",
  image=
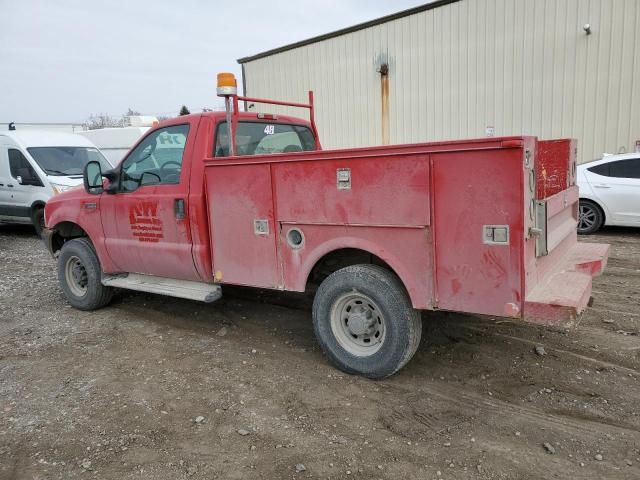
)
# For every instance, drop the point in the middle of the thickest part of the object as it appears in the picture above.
(602, 186)
(178, 208)
(10, 185)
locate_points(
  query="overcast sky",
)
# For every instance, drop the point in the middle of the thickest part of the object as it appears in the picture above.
(62, 61)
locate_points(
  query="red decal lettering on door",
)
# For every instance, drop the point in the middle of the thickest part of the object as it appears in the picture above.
(144, 221)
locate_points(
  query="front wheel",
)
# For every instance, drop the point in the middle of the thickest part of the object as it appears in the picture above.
(79, 274)
(37, 218)
(364, 321)
(590, 217)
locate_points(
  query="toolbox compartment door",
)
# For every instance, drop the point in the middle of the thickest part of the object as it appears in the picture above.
(241, 222)
(477, 219)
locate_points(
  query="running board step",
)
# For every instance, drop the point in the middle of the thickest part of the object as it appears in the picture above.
(203, 292)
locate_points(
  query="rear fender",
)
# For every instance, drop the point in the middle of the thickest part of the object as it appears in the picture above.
(417, 288)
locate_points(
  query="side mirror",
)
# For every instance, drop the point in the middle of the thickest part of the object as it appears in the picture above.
(92, 178)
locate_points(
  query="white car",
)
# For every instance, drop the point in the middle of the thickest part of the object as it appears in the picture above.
(35, 165)
(609, 192)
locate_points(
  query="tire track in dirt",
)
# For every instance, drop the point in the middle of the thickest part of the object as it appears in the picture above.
(442, 408)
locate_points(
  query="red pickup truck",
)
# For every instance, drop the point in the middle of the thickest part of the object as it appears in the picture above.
(484, 226)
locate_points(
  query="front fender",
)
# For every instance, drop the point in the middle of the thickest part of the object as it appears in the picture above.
(78, 208)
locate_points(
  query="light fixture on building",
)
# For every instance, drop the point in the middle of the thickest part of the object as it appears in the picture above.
(587, 28)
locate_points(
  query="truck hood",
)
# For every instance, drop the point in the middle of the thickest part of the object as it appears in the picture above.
(73, 181)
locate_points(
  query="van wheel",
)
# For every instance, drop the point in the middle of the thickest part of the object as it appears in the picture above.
(37, 218)
(364, 321)
(590, 217)
(79, 274)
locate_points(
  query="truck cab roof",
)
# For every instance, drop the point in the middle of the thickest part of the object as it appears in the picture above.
(221, 116)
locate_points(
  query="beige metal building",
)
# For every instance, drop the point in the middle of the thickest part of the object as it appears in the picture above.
(458, 68)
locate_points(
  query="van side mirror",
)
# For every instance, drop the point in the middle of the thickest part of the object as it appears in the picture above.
(92, 178)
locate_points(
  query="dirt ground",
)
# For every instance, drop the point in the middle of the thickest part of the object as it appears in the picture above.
(161, 388)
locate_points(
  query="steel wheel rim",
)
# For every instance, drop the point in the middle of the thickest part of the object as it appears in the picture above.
(358, 324)
(76, 276)
(587, 217)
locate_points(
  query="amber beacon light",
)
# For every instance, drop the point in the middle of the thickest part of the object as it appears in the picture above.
(227, 84)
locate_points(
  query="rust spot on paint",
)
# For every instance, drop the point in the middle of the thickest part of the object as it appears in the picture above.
(144, 222)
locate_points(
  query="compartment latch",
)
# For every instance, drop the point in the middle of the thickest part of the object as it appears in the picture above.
(495, 234)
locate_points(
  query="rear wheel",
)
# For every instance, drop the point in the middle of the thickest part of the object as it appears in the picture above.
(364, 321)
(80, 275)
(590, 217)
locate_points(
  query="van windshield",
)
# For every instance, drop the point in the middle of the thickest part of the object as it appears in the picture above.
(259, 138)
(66, 161)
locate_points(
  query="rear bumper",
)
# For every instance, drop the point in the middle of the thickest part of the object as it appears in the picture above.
(562, 295)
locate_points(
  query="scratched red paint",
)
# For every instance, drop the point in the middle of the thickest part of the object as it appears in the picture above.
(144, 221)
(420, 208)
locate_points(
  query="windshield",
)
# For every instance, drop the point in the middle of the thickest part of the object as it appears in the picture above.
(259, 138)
(66, 161)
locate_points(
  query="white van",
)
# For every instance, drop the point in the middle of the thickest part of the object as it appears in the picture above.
(34, 166)
(114, 143)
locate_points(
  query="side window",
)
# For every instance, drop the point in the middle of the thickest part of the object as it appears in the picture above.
(157, 160)
(19, 166)
(602, 169)
(625, 168)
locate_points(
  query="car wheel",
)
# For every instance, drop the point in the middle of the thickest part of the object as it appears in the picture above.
(80, 275)
(37, 218)
(364, 321)
(590, 217)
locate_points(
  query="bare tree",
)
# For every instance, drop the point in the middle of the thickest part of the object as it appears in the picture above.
(102, 120)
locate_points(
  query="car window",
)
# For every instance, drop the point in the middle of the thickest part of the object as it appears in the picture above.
(156, 160)
(258, 138)
(19, 166)
(602, 169)
(625, 168)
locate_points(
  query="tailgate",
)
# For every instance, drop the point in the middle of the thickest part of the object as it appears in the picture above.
(558, 268)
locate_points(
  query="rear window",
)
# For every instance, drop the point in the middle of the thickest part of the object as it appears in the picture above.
(259, 138)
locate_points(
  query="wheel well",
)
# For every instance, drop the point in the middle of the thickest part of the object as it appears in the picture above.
(588, 200)
(36, 205)
(63, 232)
(337, 259)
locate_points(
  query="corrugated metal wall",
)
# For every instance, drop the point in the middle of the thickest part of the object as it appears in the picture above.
(521, 66)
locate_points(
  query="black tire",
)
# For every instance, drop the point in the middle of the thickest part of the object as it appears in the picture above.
(79, 253)
(37, 218)
(590, 217)
(402, 325)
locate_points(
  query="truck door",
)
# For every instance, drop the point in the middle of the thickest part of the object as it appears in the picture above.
(145, 222)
